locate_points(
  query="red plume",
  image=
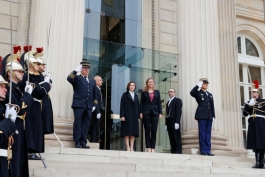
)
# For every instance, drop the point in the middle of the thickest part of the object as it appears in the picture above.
(256, 84)
(16, 49)
(19, 48)
(39, 50)
(1, 58)
(27, 48)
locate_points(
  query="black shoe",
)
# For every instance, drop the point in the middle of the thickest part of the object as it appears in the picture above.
(204, 154)
(33, 156)
(78, 146)
(209, 154)
(257, 165)
(86, 147)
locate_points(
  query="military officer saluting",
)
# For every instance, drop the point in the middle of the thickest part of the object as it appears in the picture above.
(84, 102)
(205, 114)
(255, 109)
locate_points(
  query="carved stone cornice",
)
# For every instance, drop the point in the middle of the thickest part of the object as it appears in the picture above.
(249, 12)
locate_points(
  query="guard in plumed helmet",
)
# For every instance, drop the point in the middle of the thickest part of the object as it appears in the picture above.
(255, 109)
(34, 120)
(84, 102)
(47, 111)
(7, 129)
(22, 98)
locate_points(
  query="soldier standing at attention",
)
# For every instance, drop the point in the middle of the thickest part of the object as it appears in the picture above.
(256, 125)
(205, 114)
(84, 102)
(96, 115)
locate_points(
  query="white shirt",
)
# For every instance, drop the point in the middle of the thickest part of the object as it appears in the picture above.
(170, 99)
(132, 94)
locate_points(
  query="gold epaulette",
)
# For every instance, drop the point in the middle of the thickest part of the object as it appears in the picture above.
(96, 101)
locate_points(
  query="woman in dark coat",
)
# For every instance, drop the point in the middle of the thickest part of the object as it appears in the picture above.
(129, 113)
(150, 112)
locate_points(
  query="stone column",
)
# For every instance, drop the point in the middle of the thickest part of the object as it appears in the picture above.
(201, 54)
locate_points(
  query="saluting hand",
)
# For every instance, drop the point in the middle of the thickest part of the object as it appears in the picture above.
(122, 118)
(78, 68)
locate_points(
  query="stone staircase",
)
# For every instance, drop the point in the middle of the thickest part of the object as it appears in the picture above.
(72, 162)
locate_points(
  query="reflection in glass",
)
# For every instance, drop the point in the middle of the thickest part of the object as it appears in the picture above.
(251, 49)
(239, 44)
(255, 74)
(240, 73)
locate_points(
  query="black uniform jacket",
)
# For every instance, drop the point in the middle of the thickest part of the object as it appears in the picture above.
(256, 124)
(7, 128)
(100, 105)
(205, 109)
(146, 105)
(85, 94)
(174, 110)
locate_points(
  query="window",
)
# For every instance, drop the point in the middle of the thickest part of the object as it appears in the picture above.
(251, 64)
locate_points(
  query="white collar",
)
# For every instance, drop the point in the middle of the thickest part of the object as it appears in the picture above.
(98, 87)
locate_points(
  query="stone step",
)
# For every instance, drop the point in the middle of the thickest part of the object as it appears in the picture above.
(70, 144)
(86, 173)
(143, 155)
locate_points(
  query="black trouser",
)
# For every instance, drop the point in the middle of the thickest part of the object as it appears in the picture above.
(174, 137)
(94, 128)
(150, 126)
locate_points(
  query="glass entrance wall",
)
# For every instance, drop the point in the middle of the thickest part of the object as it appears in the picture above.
(118, 64)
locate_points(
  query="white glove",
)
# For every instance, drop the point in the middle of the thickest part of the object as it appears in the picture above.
(28, 88)
(93, 109)
(213, 118)
(165, 127)
(200, 84)
(98, 116)
(78, 68)
(252, 102)
(47, 78)
(176, 126)
(11, 113)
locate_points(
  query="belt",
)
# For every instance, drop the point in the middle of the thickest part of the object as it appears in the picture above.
(257, 115)
(3, 152)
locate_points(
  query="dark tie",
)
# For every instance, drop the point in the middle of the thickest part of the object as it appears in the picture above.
(86, 79)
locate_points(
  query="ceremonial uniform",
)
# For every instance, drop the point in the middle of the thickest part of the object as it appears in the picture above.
(47, 113)
(34, 120)
(173, 115)
(19, 165)
(95, 122)
(84, 99)
(205, 114)
(7, 128)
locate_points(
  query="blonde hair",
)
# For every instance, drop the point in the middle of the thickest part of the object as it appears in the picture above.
(146, 84)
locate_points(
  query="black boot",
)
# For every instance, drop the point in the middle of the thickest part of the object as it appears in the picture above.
(261, 158)
(257, 156)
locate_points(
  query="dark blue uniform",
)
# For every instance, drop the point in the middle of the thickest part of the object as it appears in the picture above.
(19, 164)
(7, 128)
(204, 114)
(95, 122)
(84, 98)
